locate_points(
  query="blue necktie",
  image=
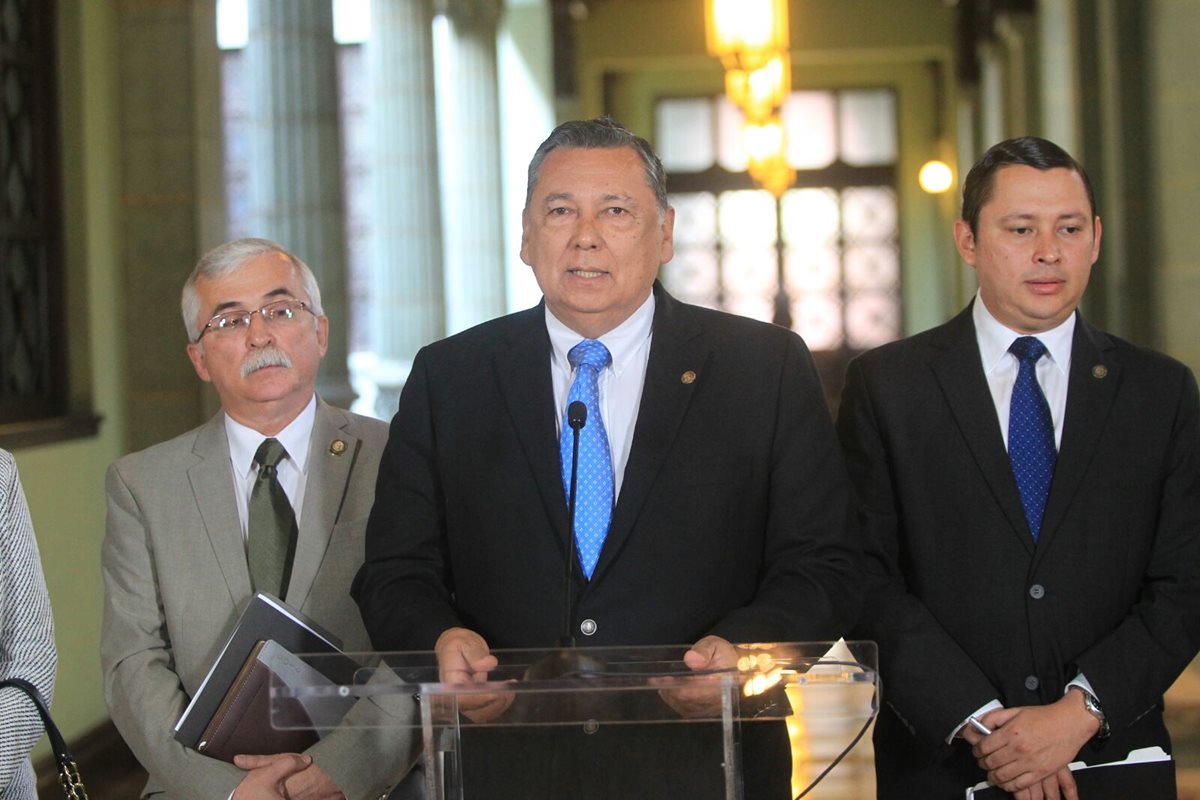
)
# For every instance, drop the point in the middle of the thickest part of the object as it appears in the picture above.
(594, 476)
(1030, 433)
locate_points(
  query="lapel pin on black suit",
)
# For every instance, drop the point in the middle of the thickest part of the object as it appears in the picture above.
(337, 447)
(688, 377)
(1099, 371)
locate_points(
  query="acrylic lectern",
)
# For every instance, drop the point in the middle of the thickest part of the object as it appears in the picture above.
(600, 723)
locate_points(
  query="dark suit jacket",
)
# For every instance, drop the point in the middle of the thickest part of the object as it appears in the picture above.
(963, 604)
(732, 518)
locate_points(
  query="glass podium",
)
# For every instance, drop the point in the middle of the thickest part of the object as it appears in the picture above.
(623, 723)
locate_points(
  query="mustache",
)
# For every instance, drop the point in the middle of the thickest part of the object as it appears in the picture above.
(265, 357)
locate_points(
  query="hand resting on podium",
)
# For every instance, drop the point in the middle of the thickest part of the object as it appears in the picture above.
(464, 657)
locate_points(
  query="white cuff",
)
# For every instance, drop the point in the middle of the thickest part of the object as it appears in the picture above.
(979, 712)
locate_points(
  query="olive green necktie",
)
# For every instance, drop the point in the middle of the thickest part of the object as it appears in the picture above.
(272, 524)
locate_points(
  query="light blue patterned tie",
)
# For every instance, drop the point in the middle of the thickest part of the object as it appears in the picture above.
(1030, 433)
(594, 476)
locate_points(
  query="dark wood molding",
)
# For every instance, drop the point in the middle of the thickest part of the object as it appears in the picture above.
(976, 25)
(15, 435)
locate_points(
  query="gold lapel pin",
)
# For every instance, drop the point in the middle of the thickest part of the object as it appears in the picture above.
(1099, 371)
(688, 377)
(337, 447)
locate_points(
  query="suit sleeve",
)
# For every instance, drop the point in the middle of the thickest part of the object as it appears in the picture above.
(928, 681)
(404, 586)
(142, 690)
(376, 746)
(810, 588)
(1136, 663)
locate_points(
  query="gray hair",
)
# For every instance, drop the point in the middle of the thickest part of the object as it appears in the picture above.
(606, 133)
(230, 257)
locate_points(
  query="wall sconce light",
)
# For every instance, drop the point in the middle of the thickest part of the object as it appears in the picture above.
(935, 177)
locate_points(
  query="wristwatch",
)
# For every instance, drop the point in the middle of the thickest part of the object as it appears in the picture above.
(1092, 705)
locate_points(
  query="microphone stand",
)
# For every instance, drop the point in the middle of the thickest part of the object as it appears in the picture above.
(567, 661)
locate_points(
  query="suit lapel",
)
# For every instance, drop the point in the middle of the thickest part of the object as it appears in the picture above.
(676, 347)
(324, 489)
(959, 371)
(1091, 389)
(523, 374)
(212, 490)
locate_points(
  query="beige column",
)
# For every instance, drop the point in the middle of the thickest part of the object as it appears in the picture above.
(296, 156)
(406, 227)
(470, 163)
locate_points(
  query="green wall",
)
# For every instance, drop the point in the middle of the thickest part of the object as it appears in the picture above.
(64, 483)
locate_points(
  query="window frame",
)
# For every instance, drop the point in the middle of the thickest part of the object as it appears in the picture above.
(43, 415)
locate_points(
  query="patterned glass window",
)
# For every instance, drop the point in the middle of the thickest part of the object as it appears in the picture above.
(31, 363)
(824, 259)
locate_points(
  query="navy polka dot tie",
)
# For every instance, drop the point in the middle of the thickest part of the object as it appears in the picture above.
(594, 476)
(1030, 433)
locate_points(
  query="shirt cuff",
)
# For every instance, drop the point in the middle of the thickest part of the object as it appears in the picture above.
(979, 712)
(1082, 683)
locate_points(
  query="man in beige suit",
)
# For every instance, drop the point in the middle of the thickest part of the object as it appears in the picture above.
(180, 552)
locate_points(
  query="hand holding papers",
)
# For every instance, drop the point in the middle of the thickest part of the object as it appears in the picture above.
(1147, 771)
(1032, 745)
(235, 691)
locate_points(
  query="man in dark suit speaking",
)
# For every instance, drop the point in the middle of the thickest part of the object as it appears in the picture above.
(712, 505)
(1031, 490)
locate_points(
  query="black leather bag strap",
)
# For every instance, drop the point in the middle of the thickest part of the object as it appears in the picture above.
(68, 772)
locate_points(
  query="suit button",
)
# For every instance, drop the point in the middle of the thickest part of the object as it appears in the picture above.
(1037, 591)
(591, 726)
(587, 627)
(1032, 683)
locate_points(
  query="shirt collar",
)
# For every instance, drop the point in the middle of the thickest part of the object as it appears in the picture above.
(622, 341)
(244, 441)
(995, 339)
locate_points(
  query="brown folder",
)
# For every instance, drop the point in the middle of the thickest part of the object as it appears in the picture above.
(243, 722)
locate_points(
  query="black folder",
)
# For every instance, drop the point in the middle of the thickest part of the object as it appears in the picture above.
(265, 618)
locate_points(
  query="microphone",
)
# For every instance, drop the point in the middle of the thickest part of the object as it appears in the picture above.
(577, 418)
(567, 661)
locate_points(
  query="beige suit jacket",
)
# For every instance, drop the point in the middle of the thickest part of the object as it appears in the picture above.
(176, 579)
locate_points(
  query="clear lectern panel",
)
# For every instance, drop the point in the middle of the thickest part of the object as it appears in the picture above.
(598, 723)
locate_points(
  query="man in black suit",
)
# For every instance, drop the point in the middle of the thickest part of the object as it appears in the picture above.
(728, 498)
(1032, 514)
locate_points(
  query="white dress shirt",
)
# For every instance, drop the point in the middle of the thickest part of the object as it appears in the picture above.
(620, 384)
(292, 471)
(1000, 366)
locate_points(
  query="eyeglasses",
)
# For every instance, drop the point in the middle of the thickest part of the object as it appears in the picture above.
(277, 312)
